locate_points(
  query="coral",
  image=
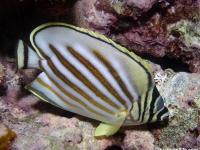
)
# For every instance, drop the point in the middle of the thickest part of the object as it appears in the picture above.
(19, 106)
(182, 123)
(181, 93)
(86, 15)
(160, 78)
(184, 37)
(125, 8)
(60, 127)
(195, 65)
(158, 28)
(140, 140)
(6, 135)
(181, 89)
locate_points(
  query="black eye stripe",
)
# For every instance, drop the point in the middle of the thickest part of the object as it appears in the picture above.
(155, 95)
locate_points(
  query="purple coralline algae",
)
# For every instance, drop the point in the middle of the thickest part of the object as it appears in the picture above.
(156, 27)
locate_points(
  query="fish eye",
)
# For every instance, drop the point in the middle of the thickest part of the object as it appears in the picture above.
(160, 103)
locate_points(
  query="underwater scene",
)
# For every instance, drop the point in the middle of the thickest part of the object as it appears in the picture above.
(100, 75)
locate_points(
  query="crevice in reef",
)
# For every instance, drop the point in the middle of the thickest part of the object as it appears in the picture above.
(114, 147)
(165, 62)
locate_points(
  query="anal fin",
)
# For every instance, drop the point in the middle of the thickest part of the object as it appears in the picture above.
(106, 129)
(110, 129)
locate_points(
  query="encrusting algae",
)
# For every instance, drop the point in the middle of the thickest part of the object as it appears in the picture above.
(154, 27)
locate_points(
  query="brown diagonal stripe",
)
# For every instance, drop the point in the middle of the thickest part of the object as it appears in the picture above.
(114, 73)
(48, 87)
(84, 80)
(72, 86)
(42, 53)
(97, 74)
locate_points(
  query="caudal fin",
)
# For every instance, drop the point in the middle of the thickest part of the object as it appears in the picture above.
(26, 57)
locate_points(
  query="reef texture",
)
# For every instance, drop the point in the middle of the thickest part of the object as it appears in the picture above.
(159, 28)
(39, 125)
(181, 92)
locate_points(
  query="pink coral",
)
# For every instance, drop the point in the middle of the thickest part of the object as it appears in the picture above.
(143, 4)
(154, 31)
(195, 65)
(98, 20)
(140, 140)
(188, 141)
(146, 26)
(50, 121)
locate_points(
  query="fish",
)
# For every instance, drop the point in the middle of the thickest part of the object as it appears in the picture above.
(86, 73)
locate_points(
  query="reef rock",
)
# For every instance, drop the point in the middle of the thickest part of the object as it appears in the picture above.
(181, 92)
(160, 28)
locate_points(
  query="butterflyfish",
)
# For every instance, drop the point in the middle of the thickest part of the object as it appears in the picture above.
(89, 74)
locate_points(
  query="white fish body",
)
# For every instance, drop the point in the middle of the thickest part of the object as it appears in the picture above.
(86, 73)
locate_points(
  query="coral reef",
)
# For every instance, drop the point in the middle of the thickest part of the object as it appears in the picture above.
(138, 140)
(184, 39)
(181, 92)
(158, 28)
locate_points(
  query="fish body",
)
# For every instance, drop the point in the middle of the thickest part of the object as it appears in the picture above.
(86, 73)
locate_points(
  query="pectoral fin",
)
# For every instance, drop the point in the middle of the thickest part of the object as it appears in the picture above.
(110, 129)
